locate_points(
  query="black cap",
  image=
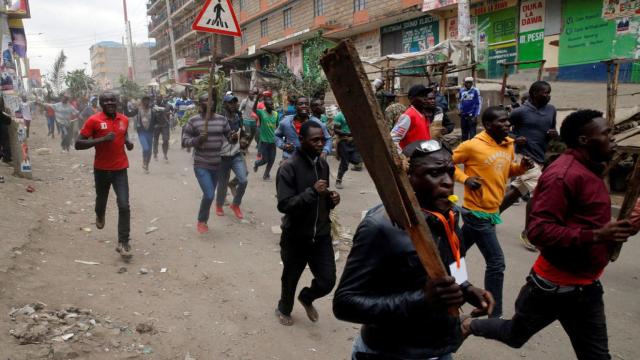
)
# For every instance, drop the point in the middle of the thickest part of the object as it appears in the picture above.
(417, 90)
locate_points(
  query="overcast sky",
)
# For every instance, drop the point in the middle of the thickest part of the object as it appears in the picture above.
(73, 26)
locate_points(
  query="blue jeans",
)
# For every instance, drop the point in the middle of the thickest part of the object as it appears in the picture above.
(360, 347)
(239, 167)
(51, 120)
(146, 142)
(483, 233)
(207, 179)
(67, 137)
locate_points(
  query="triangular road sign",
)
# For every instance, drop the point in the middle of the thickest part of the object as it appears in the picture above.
(217, 16)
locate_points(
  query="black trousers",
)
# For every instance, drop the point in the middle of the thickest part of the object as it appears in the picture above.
(296, 253)
(348, 154)
(105, 179)
(268, 156)
(5, 142)
(164, 131)
(581, 314)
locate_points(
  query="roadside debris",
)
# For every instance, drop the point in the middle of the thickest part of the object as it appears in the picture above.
(86, 262)
(151, 229)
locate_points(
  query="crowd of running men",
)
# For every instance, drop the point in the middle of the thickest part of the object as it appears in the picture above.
(404, 313)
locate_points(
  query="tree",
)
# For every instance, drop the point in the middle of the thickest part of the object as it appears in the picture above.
(311, 82)
(201, 87)
(56, 76)
(130, 89)
(79, 84)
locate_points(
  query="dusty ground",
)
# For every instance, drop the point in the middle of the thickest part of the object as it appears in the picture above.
(216, 298)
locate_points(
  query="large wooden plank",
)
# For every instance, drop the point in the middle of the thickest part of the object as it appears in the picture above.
(355, 96)
(629, 202)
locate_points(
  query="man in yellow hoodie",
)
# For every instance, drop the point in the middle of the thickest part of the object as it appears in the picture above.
(488, 161)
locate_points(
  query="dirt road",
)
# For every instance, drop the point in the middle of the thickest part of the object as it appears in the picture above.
(216, 298)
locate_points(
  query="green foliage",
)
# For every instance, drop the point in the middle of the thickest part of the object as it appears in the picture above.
(200, 87)
(79, 84)
(49, 93)
(56, 76)
(130, 89)
(311, 82)
(314, 82)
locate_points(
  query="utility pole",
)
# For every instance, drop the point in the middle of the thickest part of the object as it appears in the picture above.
(464, 19)
(172, 44)
(131, 74)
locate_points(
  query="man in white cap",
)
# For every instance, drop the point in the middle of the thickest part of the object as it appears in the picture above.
(469, 104)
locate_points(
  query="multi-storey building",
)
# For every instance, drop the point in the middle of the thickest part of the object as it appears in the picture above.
(109, 62)
(192, 48)
(501, 30)
(281, 26)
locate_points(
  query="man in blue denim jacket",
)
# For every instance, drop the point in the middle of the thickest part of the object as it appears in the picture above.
(287, 133)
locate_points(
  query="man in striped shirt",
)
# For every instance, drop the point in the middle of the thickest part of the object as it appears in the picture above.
(207, 146)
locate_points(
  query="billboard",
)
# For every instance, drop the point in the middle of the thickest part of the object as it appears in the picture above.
(15, 8)
(531, 35)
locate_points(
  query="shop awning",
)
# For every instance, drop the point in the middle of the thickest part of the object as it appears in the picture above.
(449, 48)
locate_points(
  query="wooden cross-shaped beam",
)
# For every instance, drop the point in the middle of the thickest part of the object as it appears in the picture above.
(355, 96)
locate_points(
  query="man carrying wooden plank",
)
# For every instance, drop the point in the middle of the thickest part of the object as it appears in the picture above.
(571, 225)
(384, 286)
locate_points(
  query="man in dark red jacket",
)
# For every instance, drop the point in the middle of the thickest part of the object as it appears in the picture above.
(571, 226)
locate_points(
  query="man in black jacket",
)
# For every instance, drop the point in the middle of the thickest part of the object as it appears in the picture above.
(384, 286)
(304, 197)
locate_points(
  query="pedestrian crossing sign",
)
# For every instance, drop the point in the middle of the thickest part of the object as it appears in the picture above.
(217, 16)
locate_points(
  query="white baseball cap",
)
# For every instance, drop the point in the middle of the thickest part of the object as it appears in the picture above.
(468, 79)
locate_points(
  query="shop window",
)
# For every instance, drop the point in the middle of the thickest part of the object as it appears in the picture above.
(359, 5)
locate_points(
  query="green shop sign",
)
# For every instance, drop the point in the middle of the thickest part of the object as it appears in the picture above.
(498, 55)
(417, 34)
(531, 36)
(586, 37)
(496, 35)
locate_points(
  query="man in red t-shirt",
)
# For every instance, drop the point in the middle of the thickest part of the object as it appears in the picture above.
(571, 226)
(107, 132)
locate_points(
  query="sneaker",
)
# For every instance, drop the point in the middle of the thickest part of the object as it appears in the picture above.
(266, 178)
(338, 184)
(203, 228)
(525, 241)
(124, 249)
(357, 167)
(219, 211)
(236, 210)
(100, 222)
